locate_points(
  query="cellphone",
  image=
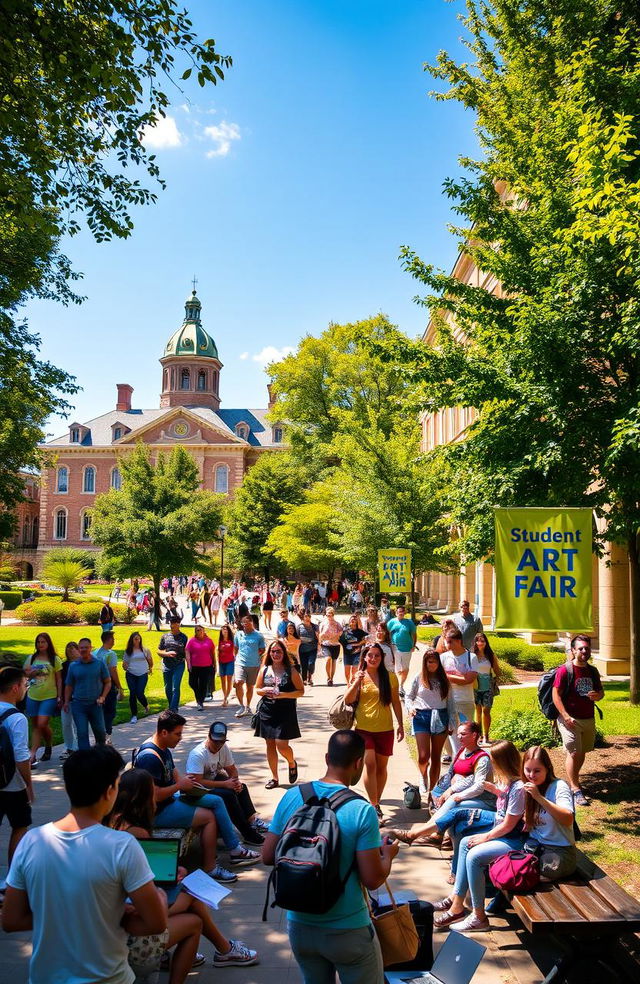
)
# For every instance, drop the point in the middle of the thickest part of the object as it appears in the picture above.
(389, 840)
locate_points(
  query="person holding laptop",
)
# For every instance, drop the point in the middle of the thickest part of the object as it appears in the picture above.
(133, 811)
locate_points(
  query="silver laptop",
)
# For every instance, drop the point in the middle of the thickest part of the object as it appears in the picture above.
(456, 963)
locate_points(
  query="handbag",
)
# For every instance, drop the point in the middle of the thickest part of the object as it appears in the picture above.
(255, 717)
(396, 931)
(412, 798)
(515, 872)
(494, 689)
(341, 715)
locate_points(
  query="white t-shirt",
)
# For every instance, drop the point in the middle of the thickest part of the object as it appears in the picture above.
(511, 801)
(421, 698)
(137, 663)
(77, 883)
(18, 728)
(202, 762)
(462, 693)
(548, 831)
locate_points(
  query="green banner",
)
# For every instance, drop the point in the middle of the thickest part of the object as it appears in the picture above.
(543, 570)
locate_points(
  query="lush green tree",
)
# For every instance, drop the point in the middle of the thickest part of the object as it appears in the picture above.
(157, 523)
(8, 567)
(65, 574)
(307, 538)
(551, 360)
(277, 480)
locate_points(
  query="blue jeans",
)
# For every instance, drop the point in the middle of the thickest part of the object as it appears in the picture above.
(353, 953)
(85, 713)
(463, 822)
(445, 814)
(109, 708)
(172, 680)
(180, 813)
(474, 862)
(137, 685)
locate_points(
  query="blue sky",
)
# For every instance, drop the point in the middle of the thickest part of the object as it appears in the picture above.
(291, 187)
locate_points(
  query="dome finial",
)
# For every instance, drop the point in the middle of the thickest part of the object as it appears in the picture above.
(195, 283)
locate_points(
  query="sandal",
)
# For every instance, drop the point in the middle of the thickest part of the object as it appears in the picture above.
(46, 755)
(428, 840)
(272, 784)
(404, 836)
(293, 772)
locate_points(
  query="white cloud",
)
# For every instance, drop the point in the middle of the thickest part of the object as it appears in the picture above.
(222, 136)
(245, 355)
(164, 133)
(271, 354)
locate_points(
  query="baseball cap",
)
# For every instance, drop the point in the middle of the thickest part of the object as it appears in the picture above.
(218, 731)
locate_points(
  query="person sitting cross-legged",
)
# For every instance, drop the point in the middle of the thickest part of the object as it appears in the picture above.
(181, 803)
(211, 764)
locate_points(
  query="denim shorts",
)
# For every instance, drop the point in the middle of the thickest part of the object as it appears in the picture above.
(46, 708)
(483, 698)
(225, 669)
(428, 722)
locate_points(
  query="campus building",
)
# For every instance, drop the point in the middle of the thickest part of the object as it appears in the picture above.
(86, 460)
(476, 582)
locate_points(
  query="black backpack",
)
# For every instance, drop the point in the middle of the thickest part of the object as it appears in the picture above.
(306, 873)
(545, 689)
(7, 757)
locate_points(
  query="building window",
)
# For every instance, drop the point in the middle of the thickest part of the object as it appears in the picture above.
(26, 533)
(242, 431)
(116, 479)
(36, 523)
(215, 381)
(202, 380)
(89, 480)
(61, 525)
(85, 526)
(185, 379)
(222, 479)
(117, 433)
(277, 435)
(62, 483)
(75, 435)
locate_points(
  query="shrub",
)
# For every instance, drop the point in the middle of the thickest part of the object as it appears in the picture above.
(525, 728)
(11, 598)
(90, 611)
(124, 614)
(49, 612)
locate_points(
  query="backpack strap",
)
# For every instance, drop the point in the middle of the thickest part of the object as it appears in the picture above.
(12, 710)
(307, 792)
(147, 746)
(342, 796)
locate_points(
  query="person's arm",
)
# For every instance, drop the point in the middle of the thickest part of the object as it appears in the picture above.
(480, 775)
(410, 697)
(296, 680)
(561, 814)
(260, 687)
(568, 721)
(397, 710)
(151, 912)
(353, 689)
(17, 916)
(503, 829)
(106, 687)
(187, 657)
(24, 768)
(115, 679)
(58, 678)
(149, 659)
(374, 865)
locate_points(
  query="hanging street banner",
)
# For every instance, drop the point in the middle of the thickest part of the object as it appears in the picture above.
(543, 570)
(394, 570)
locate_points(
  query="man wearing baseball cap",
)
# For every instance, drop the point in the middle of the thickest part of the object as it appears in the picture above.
(211, 764)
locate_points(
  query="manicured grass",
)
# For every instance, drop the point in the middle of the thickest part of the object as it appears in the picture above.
(620, 717)
(19, 641)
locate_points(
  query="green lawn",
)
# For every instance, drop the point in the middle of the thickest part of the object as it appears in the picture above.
(19, 641)
(620, 718)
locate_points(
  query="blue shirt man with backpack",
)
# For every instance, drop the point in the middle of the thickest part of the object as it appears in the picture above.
(16, 790)
(341, 939)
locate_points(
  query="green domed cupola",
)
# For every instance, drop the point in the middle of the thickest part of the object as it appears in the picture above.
(191, 338)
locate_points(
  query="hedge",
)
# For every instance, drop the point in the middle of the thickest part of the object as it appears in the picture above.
(11, 598)
(47, 612)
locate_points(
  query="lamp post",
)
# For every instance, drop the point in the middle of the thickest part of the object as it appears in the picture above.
(222, 532)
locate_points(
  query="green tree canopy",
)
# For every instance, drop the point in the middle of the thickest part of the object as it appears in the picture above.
(307, 538)
(157, 523)
(550, 210)
(276, 481)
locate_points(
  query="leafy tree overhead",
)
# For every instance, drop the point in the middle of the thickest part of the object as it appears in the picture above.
(276, 481)
(307, 538)
(551, 360)
(157, 523)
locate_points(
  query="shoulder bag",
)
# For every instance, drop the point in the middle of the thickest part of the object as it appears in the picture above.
(396, 931)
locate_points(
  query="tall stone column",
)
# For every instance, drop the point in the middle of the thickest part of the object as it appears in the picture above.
(485, 590)
(614, 628)
(468, 584)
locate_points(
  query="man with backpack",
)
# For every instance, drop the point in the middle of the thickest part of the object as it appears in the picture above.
(576, 689)
(324, 844)
(16, 791)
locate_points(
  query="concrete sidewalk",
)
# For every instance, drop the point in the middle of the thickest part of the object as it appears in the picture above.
(421, 870)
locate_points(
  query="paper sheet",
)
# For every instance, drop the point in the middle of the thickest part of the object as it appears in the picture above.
(202, 887)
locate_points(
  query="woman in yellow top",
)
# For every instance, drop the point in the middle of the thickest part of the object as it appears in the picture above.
(44, 696)
(376, 691)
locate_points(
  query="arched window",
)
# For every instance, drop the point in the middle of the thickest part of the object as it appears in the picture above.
(89, 480)
(75, 435)
(165, 377)
(36, 524)
(242, 431)
(26, 532)
(62, 483)
(277, 435)
(221, 483)
(202, 380)
(60, 531)
(215, 381)
(185, 379)
(85, 525)
(116, 479)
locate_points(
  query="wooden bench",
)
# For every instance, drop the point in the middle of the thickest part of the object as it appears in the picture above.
(586, 909)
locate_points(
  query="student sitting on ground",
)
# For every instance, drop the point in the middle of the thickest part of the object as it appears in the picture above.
(211, 764)
(181, 803)
(69, 880)
(134, 812)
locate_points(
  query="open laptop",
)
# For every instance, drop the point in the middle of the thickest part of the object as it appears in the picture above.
(456, 963)
(162, 856)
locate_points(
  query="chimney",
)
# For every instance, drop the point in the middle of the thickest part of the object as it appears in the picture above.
(124, 396)
(272, 398)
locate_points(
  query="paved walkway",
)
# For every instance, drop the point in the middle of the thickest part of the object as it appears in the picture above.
(421, 870)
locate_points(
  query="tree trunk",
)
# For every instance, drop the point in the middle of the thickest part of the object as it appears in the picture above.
(634, 569)
(413, 597)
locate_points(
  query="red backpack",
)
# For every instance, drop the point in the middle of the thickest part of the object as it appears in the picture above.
(515, 872)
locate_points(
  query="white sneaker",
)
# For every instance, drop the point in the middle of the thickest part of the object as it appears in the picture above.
(222, 874)
(240, 712)
(134, 720)
(238, 956)
(423, 789)
(243, 856)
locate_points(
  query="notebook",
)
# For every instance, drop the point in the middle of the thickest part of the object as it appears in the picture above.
(162, 856)
(456, 963)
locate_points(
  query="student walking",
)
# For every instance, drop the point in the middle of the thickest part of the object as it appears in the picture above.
(226, 659)
(137, 664)
(44, 697)
(279, 685)
(88, 683)
(69, 736)
(16, 789)
(173, 650)
(201, 664)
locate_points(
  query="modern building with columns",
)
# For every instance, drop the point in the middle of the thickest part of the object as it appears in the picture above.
(476, 582)
(85, 460)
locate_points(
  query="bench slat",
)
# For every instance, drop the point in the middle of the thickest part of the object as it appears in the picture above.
(530, 912)
(551, 907)
(607, 889)
(586, 901)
